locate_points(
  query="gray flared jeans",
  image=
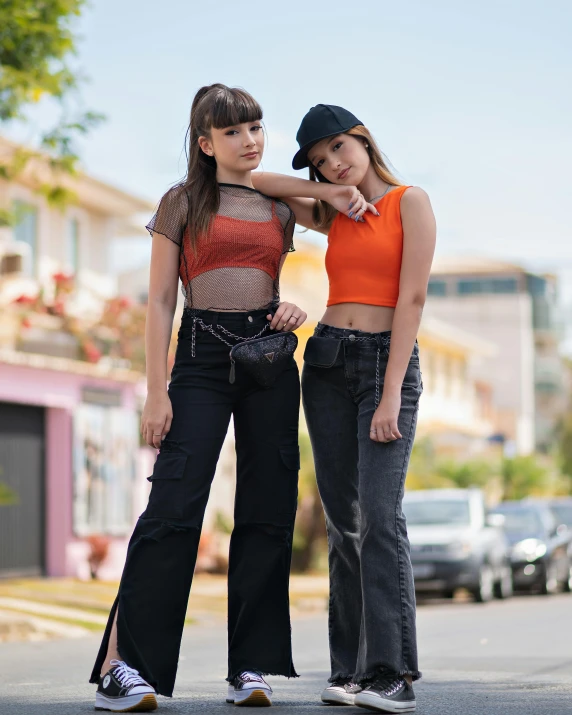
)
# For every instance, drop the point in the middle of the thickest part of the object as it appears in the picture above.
(361, 483)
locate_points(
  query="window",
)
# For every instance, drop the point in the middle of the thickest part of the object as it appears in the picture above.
(536, 285)
(73, 245)
(474, 286)
(437, 288)
(26, 231)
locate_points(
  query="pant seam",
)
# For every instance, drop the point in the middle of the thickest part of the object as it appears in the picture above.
(398, 538)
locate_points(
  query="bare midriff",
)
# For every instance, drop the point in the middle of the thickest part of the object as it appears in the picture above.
(358, 316)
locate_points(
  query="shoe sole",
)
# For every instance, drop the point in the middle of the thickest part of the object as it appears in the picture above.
(338, 698)
(147, 703)
(374, 702)
(255, 699)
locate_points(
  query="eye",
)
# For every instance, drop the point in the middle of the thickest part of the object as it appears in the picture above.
(337, 146)
(256, 128)
(319, 164)
(230, 132)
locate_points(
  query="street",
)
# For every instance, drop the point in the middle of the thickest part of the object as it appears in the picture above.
(490, 659)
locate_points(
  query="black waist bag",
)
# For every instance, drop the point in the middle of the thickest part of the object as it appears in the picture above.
(264, 358)
(322, 352)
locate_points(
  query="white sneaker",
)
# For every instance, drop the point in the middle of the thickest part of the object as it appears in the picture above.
(251, 689)
(122, 690)
(340, 693)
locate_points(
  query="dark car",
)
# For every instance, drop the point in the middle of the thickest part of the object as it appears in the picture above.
(539, 549)
(454, 544)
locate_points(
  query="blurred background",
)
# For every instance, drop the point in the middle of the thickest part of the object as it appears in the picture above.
(467, 100)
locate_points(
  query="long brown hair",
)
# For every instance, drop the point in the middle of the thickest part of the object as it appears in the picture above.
(323, 214)
(217, 106)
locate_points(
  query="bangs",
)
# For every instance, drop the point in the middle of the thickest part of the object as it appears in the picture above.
(234, 106)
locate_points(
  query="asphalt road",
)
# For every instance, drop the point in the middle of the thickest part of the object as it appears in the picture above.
(492, 659)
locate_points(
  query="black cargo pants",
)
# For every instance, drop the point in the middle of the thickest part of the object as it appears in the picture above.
(158, 572)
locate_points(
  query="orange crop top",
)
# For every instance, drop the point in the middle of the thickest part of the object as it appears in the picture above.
(363, 260)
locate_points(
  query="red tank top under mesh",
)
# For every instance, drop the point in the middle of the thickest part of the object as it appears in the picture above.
(237, 265)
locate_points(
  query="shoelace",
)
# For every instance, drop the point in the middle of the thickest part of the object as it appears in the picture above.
(388, 683)
(249, 677)
(127, 676)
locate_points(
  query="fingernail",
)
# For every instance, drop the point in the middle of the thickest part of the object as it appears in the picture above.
(352, 203)
(377, 213)
(351, 213)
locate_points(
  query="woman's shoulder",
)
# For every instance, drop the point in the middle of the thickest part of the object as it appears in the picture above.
(412, 196)
(176, 195)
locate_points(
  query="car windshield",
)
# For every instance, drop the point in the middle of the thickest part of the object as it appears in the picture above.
(562, 513)
(523, 521)
(451, 511)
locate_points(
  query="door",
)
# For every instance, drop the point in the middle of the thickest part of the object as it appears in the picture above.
(22, 522)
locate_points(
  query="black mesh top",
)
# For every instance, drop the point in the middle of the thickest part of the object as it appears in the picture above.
(237, 265)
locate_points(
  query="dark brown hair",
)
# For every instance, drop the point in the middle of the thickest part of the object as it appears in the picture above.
(215, 106)
(323, 214)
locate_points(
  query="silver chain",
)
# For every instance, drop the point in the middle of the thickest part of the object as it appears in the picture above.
(386, 342)
(209, 328)
(376, 198)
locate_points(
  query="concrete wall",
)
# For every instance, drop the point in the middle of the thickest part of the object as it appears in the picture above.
(506, 321)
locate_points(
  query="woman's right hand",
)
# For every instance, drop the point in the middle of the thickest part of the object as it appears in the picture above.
(156, 418)
(350, 201)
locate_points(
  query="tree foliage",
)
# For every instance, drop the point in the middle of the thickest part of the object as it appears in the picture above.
(36, 42)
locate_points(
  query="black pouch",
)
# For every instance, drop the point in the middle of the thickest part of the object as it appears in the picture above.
(322, 352)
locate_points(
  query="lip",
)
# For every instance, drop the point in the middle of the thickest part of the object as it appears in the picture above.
(250, 155)
(344, 173)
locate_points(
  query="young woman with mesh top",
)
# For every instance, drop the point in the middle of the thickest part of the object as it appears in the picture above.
(227, 242)
(361, 386)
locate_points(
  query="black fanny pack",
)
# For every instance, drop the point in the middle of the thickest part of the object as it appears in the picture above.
(322, 352)
(264, 358)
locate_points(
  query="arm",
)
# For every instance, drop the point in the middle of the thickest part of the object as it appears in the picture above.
(419, 235)
(300, 195)
(163, 286)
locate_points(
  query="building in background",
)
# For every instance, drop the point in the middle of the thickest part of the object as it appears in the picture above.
(70, 461)
(516, 311)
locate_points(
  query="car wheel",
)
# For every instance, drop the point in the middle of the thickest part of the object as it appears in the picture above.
(504, 587)
(449, 593)
(549, 583)
(484, 590)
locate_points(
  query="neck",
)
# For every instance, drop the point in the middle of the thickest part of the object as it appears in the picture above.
(371, 185)
(241, 178)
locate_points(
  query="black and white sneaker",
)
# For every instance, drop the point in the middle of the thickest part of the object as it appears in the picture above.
(340, 692)
(251, 689)
(123, 690)
(389, 693)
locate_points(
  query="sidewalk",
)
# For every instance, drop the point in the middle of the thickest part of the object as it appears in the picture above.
(39, 609)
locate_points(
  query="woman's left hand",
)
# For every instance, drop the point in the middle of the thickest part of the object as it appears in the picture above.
(384, 423)
(287, 317)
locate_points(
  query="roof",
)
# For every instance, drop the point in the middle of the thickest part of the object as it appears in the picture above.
(92, 193)
(456, 338)
(473, 265)
(67, 365)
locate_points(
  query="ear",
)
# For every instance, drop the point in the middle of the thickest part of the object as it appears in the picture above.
(206, 145)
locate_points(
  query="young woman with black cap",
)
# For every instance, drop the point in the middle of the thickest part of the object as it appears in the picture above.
(227, 243)
(361, 387)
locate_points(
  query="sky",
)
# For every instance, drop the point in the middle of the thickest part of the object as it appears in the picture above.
(470, 100)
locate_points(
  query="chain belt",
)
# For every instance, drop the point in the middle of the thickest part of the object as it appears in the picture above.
(209, 328)
(381, 342)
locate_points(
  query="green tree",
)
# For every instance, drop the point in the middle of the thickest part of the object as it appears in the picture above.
(524, 476)
(37, 42)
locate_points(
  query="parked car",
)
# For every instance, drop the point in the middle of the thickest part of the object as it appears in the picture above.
(540, 553)
(455, 544)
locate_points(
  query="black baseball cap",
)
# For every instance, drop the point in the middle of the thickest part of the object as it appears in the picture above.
(322, 121)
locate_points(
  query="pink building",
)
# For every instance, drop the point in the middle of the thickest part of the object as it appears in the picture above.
(70, 464)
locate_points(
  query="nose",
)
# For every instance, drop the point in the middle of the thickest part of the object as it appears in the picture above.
(249, 139)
